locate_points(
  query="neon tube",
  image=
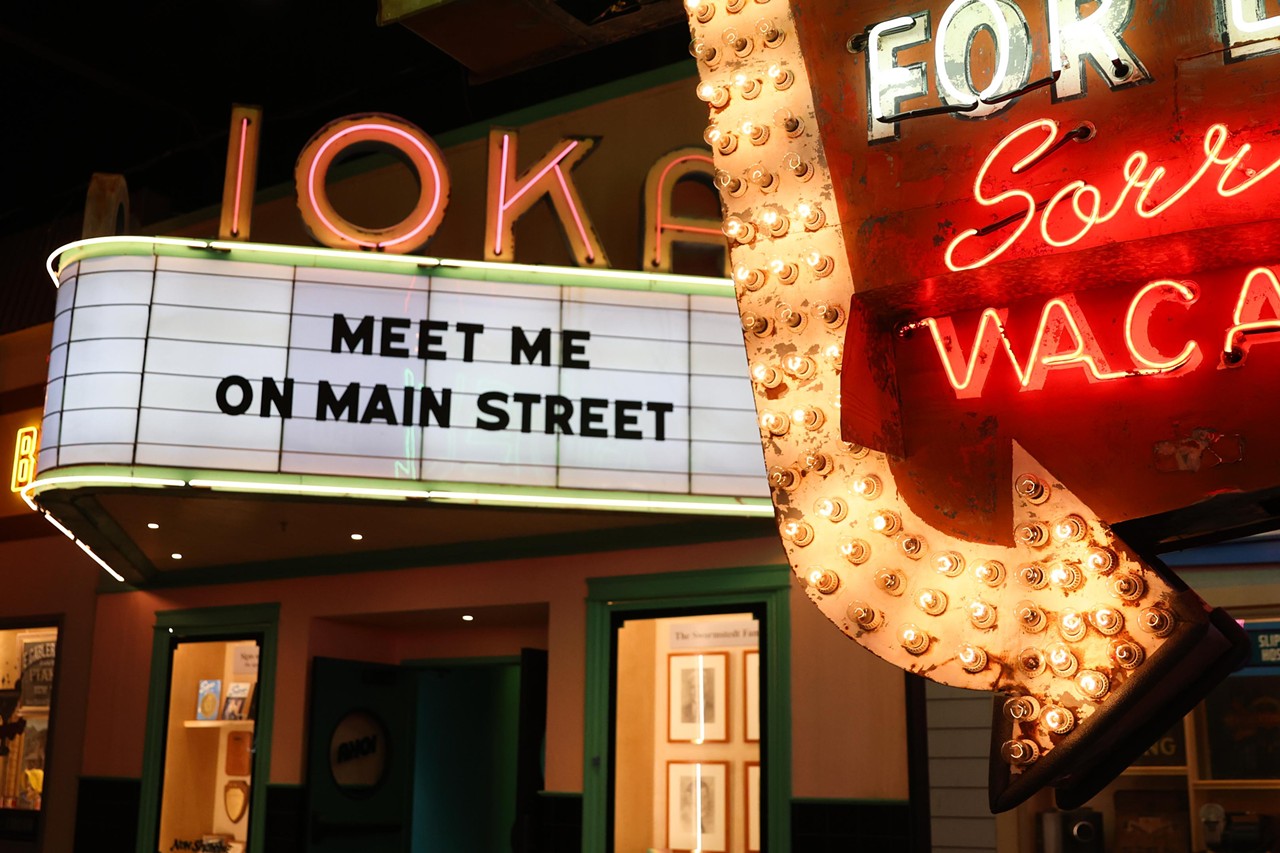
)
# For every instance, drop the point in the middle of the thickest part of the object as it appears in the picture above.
(235, 210)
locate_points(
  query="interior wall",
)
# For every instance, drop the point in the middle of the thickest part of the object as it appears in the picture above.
(831, 678)
(48, 577)
(635, 736)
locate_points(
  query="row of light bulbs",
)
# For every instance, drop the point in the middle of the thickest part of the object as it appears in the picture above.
(787, 341)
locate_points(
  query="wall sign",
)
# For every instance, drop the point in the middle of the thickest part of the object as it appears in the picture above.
(424, 375)
(991, 289)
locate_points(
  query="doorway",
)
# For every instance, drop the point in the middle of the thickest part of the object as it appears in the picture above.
(431, 756)
(673, 759)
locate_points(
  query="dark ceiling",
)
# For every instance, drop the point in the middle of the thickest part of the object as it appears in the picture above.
(144, 89)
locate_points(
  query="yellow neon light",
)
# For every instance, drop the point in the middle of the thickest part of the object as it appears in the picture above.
(412, 263)
(25, 446)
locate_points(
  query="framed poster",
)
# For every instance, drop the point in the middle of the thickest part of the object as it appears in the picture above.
(751, 687)
(752, 780)
(37, 653)
(698, 697)
(698, 806)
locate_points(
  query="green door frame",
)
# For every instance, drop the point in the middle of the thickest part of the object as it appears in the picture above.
(766, 588)
(197, 624)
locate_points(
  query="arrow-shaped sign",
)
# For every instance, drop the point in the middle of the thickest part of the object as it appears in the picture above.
(1096, 651)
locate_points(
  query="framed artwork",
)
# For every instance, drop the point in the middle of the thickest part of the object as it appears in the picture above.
(235, 704)
(698, 806)
(751, 685)
(37, 655)
(698, 697)
(752, 781)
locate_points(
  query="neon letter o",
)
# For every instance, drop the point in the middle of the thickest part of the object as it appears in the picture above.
(330, 228)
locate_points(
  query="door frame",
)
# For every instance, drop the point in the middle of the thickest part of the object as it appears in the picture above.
(765, 589)
(196, 624)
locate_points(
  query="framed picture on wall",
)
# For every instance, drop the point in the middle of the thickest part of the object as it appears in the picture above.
(698, 806)
(698, 697)
(751, 687)
(37, 656)
(752, 781)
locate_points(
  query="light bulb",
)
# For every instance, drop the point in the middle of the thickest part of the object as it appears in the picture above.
(932, 601)
(972, 658)
(824, 581)
(1032, 575)
(913, 639)
(1108, 620)
(1072, 625)
(781, 77)
(855, 551)
(981, 614)
(1019, 753)
(885, 521)
(797, 532)
(1061, 660)
(1021, 708)
(864, 616)
(1069, 529)
(949, 563)
(889, 581)
(1128, 655)
(1058, 720)
(867, 487)
(832, 509)
(1128, 586)
(990, 572)
(1030, 617)
(1093, 684)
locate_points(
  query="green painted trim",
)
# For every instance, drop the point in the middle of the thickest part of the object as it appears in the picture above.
(639, 589)
(463, 553)
(756, 587)
(494, 660)
(409, 265)
(569, 103)
(837, 801)
(194, 624)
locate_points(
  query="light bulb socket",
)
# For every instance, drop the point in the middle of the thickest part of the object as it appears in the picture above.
(825, 581)
(1021, 709)
(887, 580)
(949, 563)
(866, 617)
(1127, 586)
(1101, 560)
(797, 532)
(1032, 533)
(972, 659)
(914, 640)
(1019, 753)
(1030, 618)
(911, 545)
(1058, 720)
(784, 478)
(1107, 620)
(1128, 655)
(856, 551)
(990, 572)
(1031, 489)
(1157, 621)
(1032, 576)
(932, 602)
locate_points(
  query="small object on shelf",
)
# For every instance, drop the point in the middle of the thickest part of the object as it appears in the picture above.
(236, 704)
(1152, 822)
(207, 698)
(235, 799)
(239, 753)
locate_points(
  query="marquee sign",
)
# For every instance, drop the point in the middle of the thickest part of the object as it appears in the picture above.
(250, 368)
(1007, 275)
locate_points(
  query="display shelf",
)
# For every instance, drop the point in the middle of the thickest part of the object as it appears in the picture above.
(1237, 784)
(217, 724)
(1176, 770)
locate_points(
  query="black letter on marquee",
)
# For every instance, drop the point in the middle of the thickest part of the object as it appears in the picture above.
(361, 335)
(326, 402)
(272, 396)
(393, 329)
(439, 409)
(487, 406)
(246, 395)
(660, 411)
(540, 347)
(469, 331)
(570, 349)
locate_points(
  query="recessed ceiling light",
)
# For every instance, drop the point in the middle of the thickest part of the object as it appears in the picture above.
(468, 617)
(357, 536)
(151, 525)
(176, 556)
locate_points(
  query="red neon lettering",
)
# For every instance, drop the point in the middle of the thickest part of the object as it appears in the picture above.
(1137, 334)
(981, 356)
(1085, 200)
(1261, 290)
